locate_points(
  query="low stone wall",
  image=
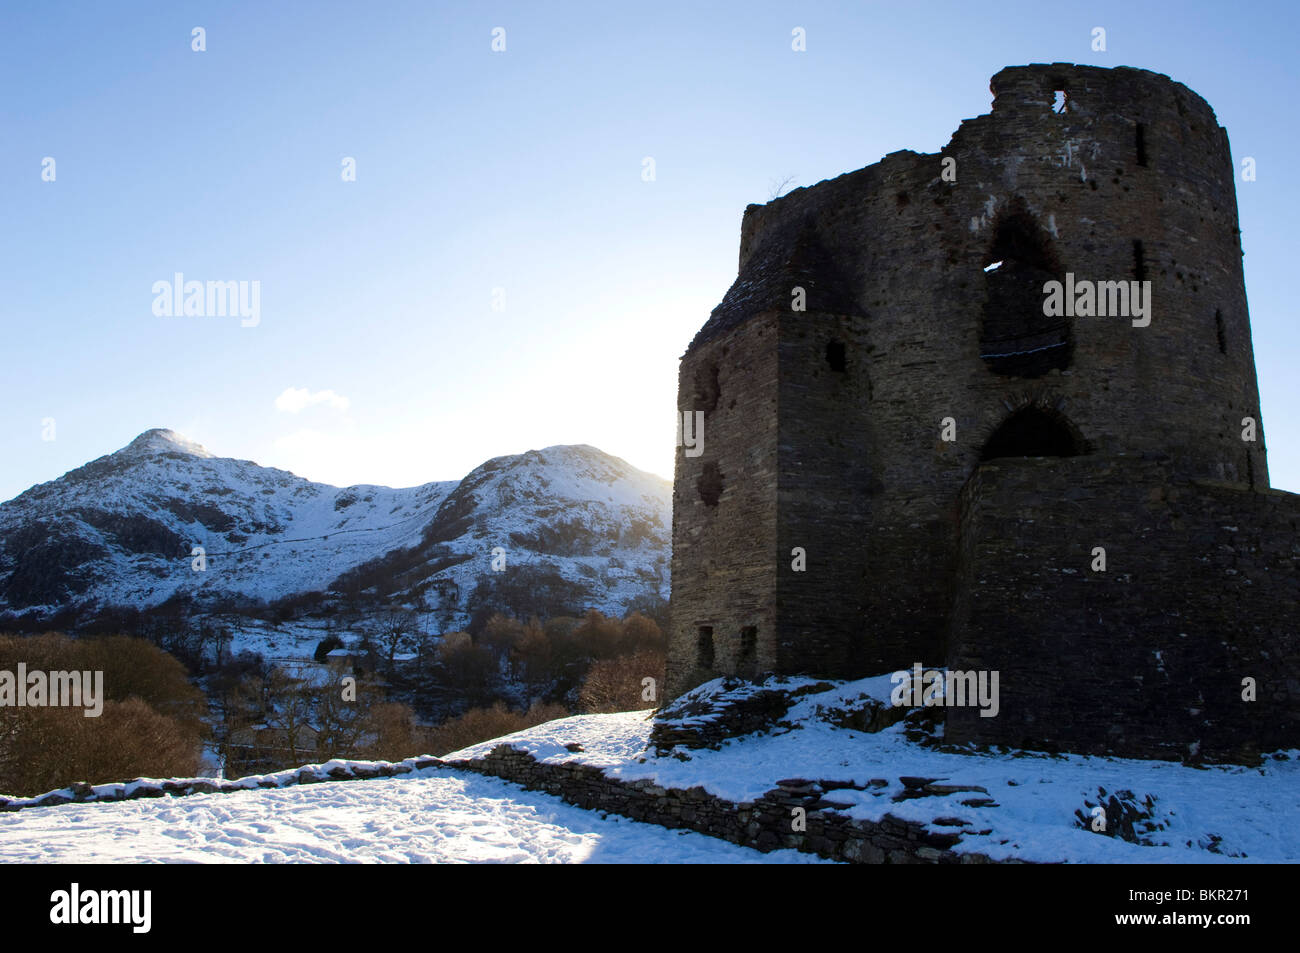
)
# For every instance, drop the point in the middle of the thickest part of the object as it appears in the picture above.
(338, 770)
(765, 824)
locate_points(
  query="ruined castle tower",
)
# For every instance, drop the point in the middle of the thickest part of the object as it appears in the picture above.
(906, 460)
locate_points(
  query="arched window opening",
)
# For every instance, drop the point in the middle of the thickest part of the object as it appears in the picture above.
(1034, 432)
(1016, 338)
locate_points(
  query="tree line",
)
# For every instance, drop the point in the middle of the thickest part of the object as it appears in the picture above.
(173, 691)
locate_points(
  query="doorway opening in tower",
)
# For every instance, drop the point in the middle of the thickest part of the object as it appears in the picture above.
(1016, 338)
(1034, 432)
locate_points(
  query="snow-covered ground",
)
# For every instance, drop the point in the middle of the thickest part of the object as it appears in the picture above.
(432, 816)
(1026, 809)
(1253, 812)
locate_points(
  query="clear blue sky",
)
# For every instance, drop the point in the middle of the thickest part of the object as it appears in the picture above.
(478, 170)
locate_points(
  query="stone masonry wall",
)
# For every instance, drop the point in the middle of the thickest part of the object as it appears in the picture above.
(824, 497)
(82, 792)
(1146, 659)
(765, 824)
(727, 542)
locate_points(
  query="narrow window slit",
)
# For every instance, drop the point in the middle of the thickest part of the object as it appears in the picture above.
(709, 484)
(704, 648)
(836, 356)
(748, 644)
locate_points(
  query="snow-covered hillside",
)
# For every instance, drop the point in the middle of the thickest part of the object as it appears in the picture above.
(121, 531)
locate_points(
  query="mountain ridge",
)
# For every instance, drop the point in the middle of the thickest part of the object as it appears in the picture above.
(163, 518)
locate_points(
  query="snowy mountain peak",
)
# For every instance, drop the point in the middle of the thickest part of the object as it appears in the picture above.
(582, 529)
(161, 440)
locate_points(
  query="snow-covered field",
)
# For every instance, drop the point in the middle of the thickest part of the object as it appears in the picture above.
(1025, 807)
(1253, 813)
(431, 816)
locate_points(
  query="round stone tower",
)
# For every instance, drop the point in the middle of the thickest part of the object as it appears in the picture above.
(894, 328)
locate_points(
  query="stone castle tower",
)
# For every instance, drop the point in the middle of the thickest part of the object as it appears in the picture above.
(920, 465)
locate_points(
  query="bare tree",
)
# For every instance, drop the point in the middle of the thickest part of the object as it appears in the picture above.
(777, 186)
(341, 709)
(289, 711)
(627, 683)
(425, 642)
(393, 632)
